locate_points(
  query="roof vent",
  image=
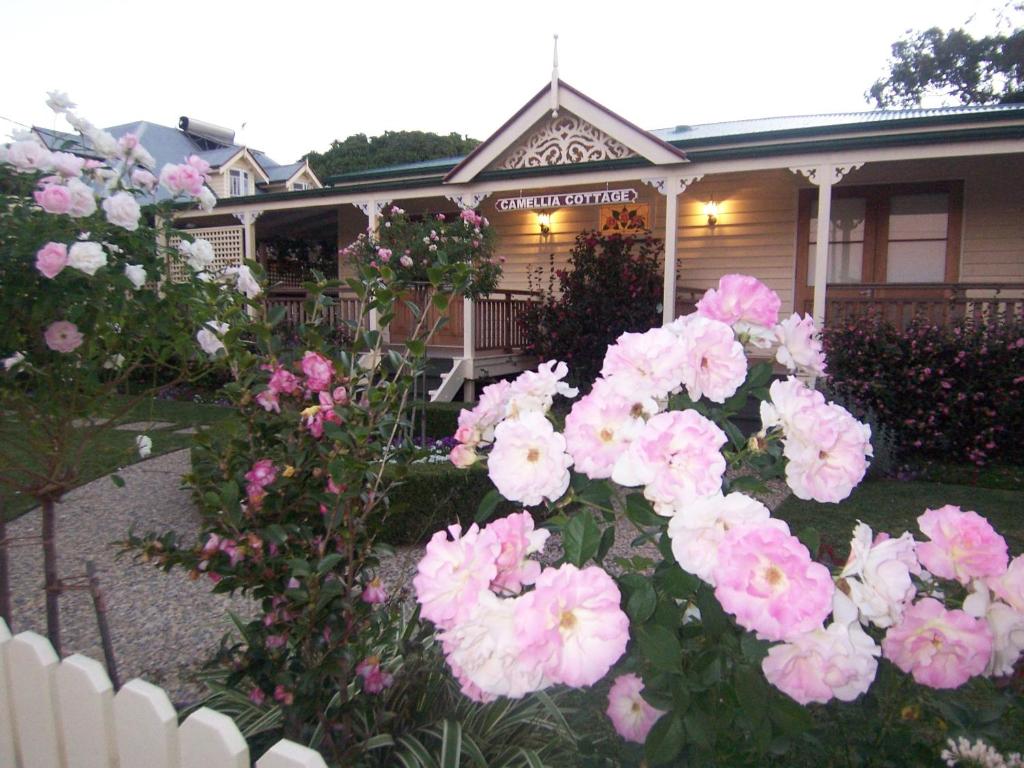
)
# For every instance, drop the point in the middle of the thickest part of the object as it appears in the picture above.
(683, 128)
(206, 130)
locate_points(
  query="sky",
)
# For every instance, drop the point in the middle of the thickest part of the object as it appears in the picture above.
(299, 74)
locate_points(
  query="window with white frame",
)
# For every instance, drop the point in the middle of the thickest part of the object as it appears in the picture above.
(239, 183)
(299, 185)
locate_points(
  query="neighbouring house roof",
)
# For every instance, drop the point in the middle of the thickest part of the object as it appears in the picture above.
(280, 173)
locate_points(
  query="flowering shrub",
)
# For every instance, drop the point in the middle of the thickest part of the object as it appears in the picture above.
(415, 250)
(88, 307)
(716, 649)
(954, 392)
(612, 285)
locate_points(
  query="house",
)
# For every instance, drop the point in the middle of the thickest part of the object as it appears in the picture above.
(922, 209)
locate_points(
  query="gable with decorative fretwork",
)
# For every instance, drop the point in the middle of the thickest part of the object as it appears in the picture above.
(562, 140)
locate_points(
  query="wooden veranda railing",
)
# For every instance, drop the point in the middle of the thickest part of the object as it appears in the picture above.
(496, 320)
(940, 304)
(345, 306)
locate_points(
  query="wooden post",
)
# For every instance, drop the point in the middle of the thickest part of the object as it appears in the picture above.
(668, 298)
(508, 321)
(824, 176)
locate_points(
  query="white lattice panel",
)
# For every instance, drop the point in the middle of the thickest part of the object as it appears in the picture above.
(228, 249)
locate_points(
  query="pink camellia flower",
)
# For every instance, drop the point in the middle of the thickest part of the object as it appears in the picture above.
(741, 300)
(318, 371)
(122, 211)
(817, 666)
(262, 473)
(800, 345)
(283, 381)
(1009, 585)
(528, 463)
(268, 399)
(63, 337)
(181, 179)
(877, 574)
(571, 623)
(676, 457)
(453, 573)
(631, 716)
(938, 647)
(257, 696)
(598, 429)
(53, 198)
(374, 592)
(645, 365)
(963, 545)
(375, 679)
(51, 259)
(766, 579)
(283, 696)
(698, 528)
(536, 390)
(276, 641)
(484, 652)
(714, 366)
(518, 540)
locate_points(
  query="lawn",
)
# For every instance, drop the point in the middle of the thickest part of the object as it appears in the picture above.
(116, 448)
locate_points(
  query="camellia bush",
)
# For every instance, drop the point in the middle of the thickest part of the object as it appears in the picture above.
(88, 306)
(945, 392)
(723, 650)
(612, 285)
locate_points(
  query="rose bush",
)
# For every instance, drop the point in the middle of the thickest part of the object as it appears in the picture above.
(718, 647)
(88, 306)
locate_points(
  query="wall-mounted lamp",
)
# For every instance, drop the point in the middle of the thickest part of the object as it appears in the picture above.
(544, 223)
(711, 211)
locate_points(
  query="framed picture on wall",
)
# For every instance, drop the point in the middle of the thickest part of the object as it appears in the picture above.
(632, 217)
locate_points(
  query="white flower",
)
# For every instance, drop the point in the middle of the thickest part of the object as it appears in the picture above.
(244, 280)
(123, 211)
(878, 575)
(528, 462)
(1006, 625)
(144, 444)
(113, 363)
(83, 202)
(800, 345)
(14, 360)
(87, 257)
(102, 141)
(59, 101)
(209, 336)
(28, 155)
(536, 390)
(66, 164)
(207, 200)
(136, 273)
(199, 253)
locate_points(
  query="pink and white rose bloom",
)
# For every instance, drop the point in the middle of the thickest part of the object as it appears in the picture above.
(571, 624)
(28, 156)
(518, 541)
(477, 425)
(645, 365)
(67, 165)
(824, 664)
(962, 546)
(51, 259)
(766, 579)
(800, 345)
(62, 336)
(87, 257)
(536, 390)
(182, 179)
(746, 304)
(698, 528)
(528, 463)
(714, 364)
(454, 572)
(631, 716)
(878, 575)
(484, 651)
(940, 648)
(83, 202)
(1005, 624)
(53, 198)
(144, 180)
(1009, 585)
(318, 371)
(598, 429)
(463, 456)
(122, 210)
(676, 457)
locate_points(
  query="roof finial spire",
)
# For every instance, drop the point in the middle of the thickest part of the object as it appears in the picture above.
(554, 80)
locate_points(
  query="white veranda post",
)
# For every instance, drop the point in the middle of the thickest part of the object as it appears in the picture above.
(671, 187)
(823, 176)
(371, 209)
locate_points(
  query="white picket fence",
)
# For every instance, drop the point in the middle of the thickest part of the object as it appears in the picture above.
(64, 714)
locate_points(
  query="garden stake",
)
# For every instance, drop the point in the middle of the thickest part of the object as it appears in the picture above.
(53, 585)
(5, 584)
(101, 621)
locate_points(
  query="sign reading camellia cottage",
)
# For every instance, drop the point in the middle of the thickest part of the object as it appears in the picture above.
(566, 200)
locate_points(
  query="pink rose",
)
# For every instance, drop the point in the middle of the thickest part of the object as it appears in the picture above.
(54, 198)
(181, 179)
(318, 371)
(83, 201)
(963, 545)
(528, 462)
(453, 572)
(51, 259)
(800, 345)
(940, 648)
(599, 428)
(714, 365)
(741, 299)
(1010, 584)
(63, 336)
(766, 579)
(144, 179)
(518, 540)
(631, 716)
(463, 456)
(645, 365)
(122, 211)
(66, 164)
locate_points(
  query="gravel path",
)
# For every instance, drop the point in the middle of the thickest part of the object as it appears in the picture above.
(165, 626)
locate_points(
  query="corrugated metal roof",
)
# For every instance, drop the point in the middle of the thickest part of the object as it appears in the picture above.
(874, 117)
(282, 172)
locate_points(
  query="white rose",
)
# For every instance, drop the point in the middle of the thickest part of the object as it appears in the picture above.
(878, 575)
(206, 199)
(198, 253)
(136, 273)
(13, 361)
(28, 155)
(102, 142)
(114, 363)
(122, 211)
(66, 164)
(209, 337)
(144, 444)
(87, 257)
(83, 202)
(59, 101)
(245, 281)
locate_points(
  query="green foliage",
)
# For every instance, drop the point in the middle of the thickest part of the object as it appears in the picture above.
(612, 285)
(982, 70)
(360, 152)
